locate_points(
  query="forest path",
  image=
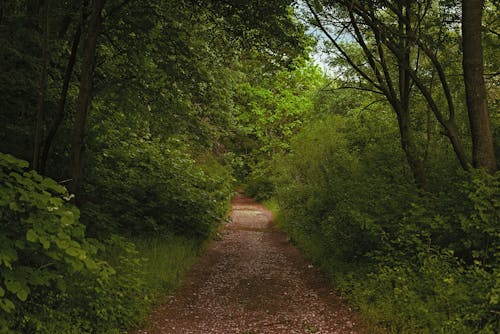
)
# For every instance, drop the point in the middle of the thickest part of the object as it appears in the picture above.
(252, 281)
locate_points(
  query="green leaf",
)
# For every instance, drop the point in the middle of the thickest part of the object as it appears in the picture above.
(61, 285)
(6, 305)
(13, 285)
(23, 294)
(7, 255)
(73, 251)
(90, 264)
(31, 235)
(12, 162)
(14, 206)
(45, 242)
(62, 244)
(67, 218)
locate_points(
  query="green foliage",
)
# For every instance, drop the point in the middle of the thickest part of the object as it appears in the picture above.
(259, 184)
(166, 260)
(54, 279)
(482, 224)
(353, 192)
(411, 261)
(165, 101)
(187, 94)
(145, 268)
(41, 239)
(91, 304)
(270, 109)
(161, 188)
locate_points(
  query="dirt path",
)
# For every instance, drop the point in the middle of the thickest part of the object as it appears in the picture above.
(252, 281)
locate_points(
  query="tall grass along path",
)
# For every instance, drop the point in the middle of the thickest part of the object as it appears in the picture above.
(252, 281)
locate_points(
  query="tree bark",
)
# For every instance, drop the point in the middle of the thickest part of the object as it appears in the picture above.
(483, 153)
(398, 94)
(42, 89)
(404, 80)
(410, 149)
(84, 95)
(2, 9)
(62, 101)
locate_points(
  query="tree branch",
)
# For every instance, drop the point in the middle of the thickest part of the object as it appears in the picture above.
(339, 48)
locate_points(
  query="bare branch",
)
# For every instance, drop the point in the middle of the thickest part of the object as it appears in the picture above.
(366, 89)
(339, 48)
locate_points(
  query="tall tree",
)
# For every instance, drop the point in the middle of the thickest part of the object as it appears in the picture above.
(56, 123)
(85, 93)
(390, 33)
(483, 153)
(42, 88)
(394, 84)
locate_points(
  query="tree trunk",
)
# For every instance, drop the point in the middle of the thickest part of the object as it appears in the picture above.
(62, 101)
(483, 154)
(408, 146)
(84, 95)
(2, 9)
(404, 80)
(42, 89)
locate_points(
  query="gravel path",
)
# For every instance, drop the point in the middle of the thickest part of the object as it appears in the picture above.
(253, 281)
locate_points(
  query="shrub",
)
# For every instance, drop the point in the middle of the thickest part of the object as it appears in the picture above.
(160, 188)
(413, 261)
(259, 183)
(41, 239)
(340, 185)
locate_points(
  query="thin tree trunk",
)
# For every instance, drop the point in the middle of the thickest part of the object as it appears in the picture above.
(404, 80)
(410, 149)
(62, 101)
(428, 124)
(84, 95)
(483, 153)
(381, 30)
(2, 9)
(42, 89)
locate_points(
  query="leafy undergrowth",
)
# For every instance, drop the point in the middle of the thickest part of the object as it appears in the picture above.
(56, 278)
(168, 258)
(144, 271)
(437, 294)
(411, 261)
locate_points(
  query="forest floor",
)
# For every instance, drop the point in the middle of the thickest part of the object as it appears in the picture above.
(253, 281)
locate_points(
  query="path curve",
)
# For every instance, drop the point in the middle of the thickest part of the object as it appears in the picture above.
(252, 281)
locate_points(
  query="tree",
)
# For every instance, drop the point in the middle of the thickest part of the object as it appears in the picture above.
(42, 88)
(393, 47)
(85, 93)
(483, 153)
(170, 66)
(58, 119)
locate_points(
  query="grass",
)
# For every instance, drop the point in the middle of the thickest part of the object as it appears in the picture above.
(167, 259)
(148, 268)
(272, 204)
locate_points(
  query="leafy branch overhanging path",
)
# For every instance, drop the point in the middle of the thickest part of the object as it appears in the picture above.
(253, 281)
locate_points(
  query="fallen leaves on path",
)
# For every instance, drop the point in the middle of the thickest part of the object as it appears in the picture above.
(253, 281)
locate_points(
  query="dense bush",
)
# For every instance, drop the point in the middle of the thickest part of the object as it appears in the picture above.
(343, 185)
(160, 188)
(414, 261)
(259, 183)
(54, 279)
(41, 240)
